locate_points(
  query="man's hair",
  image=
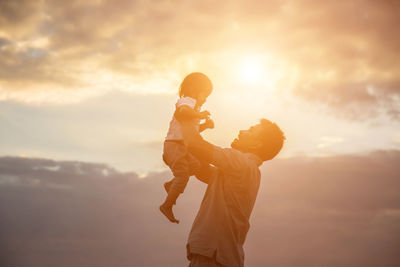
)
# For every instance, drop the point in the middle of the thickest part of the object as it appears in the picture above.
(194, 83)
(272, 138)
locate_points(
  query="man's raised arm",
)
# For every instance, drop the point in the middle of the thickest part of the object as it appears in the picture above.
(206, 172)
(196, 145)
(222, 158)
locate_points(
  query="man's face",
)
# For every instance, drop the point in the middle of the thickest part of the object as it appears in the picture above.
(248, 140)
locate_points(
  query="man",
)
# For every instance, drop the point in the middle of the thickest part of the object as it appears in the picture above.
(233, 177)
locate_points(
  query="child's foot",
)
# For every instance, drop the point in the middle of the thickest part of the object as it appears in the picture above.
(167, 211)
(167, 185)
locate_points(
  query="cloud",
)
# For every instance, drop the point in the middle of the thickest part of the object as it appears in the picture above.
(19, 17)
(341, 210)
(345, 54)
(341, 56)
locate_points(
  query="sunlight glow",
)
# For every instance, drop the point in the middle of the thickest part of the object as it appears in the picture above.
(250, 70)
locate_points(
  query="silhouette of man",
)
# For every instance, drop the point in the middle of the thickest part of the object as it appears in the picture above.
(233, 177)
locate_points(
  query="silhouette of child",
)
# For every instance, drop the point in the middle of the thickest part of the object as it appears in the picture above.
(193, 92)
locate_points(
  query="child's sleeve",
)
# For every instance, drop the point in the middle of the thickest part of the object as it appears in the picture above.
(186, 101)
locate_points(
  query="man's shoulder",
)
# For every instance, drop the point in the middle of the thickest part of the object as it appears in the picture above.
(230, 159)
(235, 159)
(231, 152)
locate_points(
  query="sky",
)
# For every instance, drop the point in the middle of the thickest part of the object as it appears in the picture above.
(97, 80)
(87, 91)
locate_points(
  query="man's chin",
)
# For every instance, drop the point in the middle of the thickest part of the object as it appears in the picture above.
(234, 143)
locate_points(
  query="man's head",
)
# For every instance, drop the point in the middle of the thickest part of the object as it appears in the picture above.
(264, 139)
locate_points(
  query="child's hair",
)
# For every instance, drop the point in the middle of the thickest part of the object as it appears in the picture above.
(194, 83)
(272, 138)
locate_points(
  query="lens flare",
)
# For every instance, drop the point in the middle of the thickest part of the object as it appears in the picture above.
(250, 70)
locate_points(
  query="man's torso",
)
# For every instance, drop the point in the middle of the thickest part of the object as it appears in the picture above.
(222, 222)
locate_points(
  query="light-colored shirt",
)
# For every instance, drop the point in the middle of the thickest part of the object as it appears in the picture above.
(222, 223)
(175, 130)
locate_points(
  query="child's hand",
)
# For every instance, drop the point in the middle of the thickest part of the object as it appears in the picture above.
(209, 123)
(204, 114)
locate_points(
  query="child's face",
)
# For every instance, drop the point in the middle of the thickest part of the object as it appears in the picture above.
(202, 97)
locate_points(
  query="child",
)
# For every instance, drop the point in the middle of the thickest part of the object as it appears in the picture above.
(193, 92)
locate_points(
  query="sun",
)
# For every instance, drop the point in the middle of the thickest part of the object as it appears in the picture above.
(250, 70)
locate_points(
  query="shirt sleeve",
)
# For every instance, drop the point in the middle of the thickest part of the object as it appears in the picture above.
(228, 159)
(186, 101)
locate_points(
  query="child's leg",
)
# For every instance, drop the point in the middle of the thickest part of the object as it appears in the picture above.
(166, 207)
(179, 182)
(175, 157)
(194, 164)
(181, 172)
(167, 185)
(183, 169)
(172, 153)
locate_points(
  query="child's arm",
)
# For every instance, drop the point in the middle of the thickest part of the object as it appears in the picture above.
(208, 124)
(187, 113)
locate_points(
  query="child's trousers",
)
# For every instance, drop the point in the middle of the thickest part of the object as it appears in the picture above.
(181, 162)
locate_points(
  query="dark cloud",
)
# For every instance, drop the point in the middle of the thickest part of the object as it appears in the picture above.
(355, 42)
(3, 42)
(334, 211)
(19, 13)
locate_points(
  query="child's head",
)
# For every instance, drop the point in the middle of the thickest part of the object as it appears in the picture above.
(196, 85)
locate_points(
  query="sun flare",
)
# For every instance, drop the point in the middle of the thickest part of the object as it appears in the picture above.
(250, 70)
